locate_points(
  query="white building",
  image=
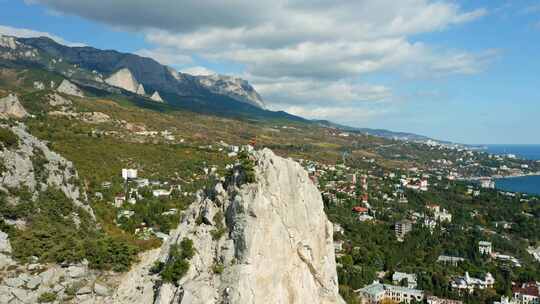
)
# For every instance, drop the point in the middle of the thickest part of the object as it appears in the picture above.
(119, 200)
(376, 292)
(129, 173)
(435, 300)
(161, 192)
(454, 261)
(535, 252)
(440, 214)
(507, 258)
(484, 247)
(398, 277)
(467, 283)
(402, 228)
(487, 183)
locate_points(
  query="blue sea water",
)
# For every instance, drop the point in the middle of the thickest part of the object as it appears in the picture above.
(524, 151)
(526, 184)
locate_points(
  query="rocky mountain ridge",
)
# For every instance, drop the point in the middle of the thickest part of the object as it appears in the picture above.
(127, 71)
(234, 87)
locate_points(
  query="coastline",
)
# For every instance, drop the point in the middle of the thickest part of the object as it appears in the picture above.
(494, 177)
(515, 176)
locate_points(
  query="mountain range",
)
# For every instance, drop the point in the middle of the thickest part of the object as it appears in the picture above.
(145, 80)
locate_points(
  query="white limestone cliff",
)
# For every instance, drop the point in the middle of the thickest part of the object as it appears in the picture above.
(69, 88)
(124, 79)
(140, 90)
(156, 97)
(236, 88)
(10, 106)
(20, 170)
(278, 247)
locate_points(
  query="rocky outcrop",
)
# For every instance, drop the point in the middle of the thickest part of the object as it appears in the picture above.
(10, 106)
(33, 165)
(277, 246)
(156, 97)
(123, 79)
(140, 90)
(5, 251)
(70, 284)
(69, 88)
(56, 99)
(233, 87)
(8, 42)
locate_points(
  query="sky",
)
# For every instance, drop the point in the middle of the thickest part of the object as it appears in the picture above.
(458, 70)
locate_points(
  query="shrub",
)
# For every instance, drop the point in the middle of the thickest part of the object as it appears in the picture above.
(178, 263)
(219, 231)
(247, 166)
(47, 297)
(218, 268)
(8, 138)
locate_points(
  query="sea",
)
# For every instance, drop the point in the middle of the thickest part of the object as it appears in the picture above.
(525, 184)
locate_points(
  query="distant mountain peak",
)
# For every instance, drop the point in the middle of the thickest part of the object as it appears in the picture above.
(233, 87)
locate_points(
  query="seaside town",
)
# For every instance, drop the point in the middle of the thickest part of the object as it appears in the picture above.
(440, 233)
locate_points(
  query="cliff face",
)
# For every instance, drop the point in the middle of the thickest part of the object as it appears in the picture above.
(277, 246)
(34, 166)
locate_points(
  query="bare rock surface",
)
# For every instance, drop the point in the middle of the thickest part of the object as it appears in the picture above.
(278, 249)
(69, 88)
(56, 99)
(53, 170)
(156, 97)
(124, 79)
(10, 106)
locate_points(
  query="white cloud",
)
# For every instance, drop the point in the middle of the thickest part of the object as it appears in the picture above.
(302, 52)
(316, 92)
(28, 33)
(165, 56)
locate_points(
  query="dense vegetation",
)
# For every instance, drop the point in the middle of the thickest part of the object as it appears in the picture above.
(8, 138)
(57, 231)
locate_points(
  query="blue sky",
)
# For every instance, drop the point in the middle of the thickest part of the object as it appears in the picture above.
(464, 71)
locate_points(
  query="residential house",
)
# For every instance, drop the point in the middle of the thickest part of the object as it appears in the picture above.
(527, 293)
(435, 300)
(484, 247)
(377, 292)
(470, 284)
(119, 200)
(399, 277)
(161, 193)
(402, 228)
(454, 261)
